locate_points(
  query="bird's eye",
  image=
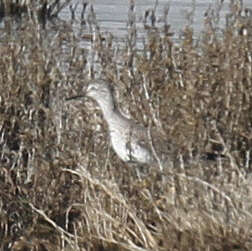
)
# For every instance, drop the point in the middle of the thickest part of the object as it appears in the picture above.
(91, 88)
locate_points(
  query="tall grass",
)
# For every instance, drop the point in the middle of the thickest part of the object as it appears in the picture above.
(63, 188)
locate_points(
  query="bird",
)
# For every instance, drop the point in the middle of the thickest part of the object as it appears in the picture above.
(132, 142)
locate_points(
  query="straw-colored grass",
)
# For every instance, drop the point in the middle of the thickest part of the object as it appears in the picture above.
(61, 185)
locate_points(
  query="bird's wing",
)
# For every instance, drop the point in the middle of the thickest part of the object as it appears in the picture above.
(153, 141)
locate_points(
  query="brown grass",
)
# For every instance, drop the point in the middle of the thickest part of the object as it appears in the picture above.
(63, 188)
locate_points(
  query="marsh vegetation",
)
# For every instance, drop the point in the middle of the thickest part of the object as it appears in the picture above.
(61, 185)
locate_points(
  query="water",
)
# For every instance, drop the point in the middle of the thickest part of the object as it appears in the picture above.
(113, 14)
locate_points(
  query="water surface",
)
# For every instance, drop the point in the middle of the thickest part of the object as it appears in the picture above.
(113, 14)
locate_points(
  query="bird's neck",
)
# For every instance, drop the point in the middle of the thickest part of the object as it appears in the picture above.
(111, 113)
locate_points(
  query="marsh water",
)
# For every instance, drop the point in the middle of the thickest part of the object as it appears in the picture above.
(113, 14)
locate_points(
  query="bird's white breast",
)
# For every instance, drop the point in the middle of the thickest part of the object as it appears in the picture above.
(128, 149)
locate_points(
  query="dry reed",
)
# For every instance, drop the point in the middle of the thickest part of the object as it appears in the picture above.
(62, 188)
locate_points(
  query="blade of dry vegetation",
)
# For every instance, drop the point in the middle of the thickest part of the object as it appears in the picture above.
(61, 185)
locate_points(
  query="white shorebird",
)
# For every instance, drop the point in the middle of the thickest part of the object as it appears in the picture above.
(131, 141)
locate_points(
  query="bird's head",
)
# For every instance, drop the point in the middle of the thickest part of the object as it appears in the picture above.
(100, 91)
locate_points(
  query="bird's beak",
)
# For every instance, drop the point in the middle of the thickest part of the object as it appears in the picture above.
(77, 97)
